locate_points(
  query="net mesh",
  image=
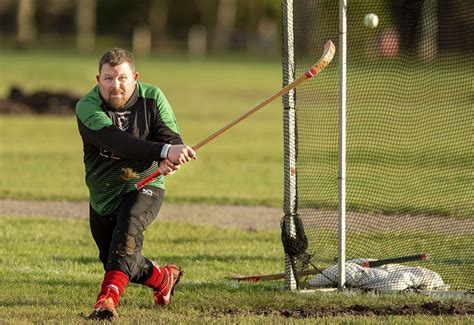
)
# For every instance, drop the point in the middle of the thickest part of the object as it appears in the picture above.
(410, 102)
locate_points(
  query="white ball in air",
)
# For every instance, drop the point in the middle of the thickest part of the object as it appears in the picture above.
(371, 20)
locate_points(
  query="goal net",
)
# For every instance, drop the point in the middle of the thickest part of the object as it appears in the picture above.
(409, 137)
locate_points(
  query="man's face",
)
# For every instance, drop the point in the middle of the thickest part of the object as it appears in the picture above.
(116, 84)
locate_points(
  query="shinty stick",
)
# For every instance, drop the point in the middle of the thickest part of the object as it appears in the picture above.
(326, 58)
(402, 259)
(278, 276)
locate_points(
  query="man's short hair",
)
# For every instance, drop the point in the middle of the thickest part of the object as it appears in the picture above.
(117, 56)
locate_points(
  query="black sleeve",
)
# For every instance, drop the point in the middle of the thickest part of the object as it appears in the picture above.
(121, 143)
(164, 131)
(168, 137)
(163, 134)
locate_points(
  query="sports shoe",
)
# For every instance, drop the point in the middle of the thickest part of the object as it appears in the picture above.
(104, 308)
(164, 293)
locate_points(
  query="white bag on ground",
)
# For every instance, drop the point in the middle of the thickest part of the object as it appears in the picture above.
(385, 277)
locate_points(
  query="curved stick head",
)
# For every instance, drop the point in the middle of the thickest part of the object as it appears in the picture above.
(329, 46)
(326, 58)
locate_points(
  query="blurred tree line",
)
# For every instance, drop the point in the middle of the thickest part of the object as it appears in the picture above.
(145, 25)
(200, 26)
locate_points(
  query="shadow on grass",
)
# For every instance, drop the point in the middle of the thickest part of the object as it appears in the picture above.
(180, 258)
(434, 308)
(60, 284)
(80, 260)
(256, 259)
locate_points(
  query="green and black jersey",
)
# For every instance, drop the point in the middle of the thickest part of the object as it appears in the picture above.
(131, 137)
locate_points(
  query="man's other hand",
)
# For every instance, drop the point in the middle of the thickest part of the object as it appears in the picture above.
(167, 167)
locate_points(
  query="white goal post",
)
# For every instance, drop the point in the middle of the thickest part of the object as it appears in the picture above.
(290, 207)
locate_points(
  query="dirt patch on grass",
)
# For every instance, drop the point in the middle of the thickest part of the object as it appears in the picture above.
(251, 218)
(40, 102)
(242, 217)
(434, 308)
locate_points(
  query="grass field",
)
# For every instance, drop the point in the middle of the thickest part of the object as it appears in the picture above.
(53, 277)
(245, 166)
(205, 96)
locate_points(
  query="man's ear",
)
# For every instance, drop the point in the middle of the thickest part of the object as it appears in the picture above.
(97, 77)
(135, 76)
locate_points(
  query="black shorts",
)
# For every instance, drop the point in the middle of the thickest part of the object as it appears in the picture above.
(119, 235)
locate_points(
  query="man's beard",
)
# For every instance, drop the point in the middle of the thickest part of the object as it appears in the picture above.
(117, 102)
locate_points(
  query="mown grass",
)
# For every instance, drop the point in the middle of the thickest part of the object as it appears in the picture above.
(41, 156)
(54, 275)
(243, 166)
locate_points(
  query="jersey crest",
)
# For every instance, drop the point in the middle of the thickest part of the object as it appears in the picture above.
(123, 120)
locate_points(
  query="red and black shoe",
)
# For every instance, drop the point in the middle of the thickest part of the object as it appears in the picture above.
(104, 309)
(164, 293)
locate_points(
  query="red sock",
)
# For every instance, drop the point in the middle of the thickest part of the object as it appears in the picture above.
(113, 285)
(157, 276)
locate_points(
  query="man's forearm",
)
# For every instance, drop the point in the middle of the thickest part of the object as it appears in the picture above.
(123, 144)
